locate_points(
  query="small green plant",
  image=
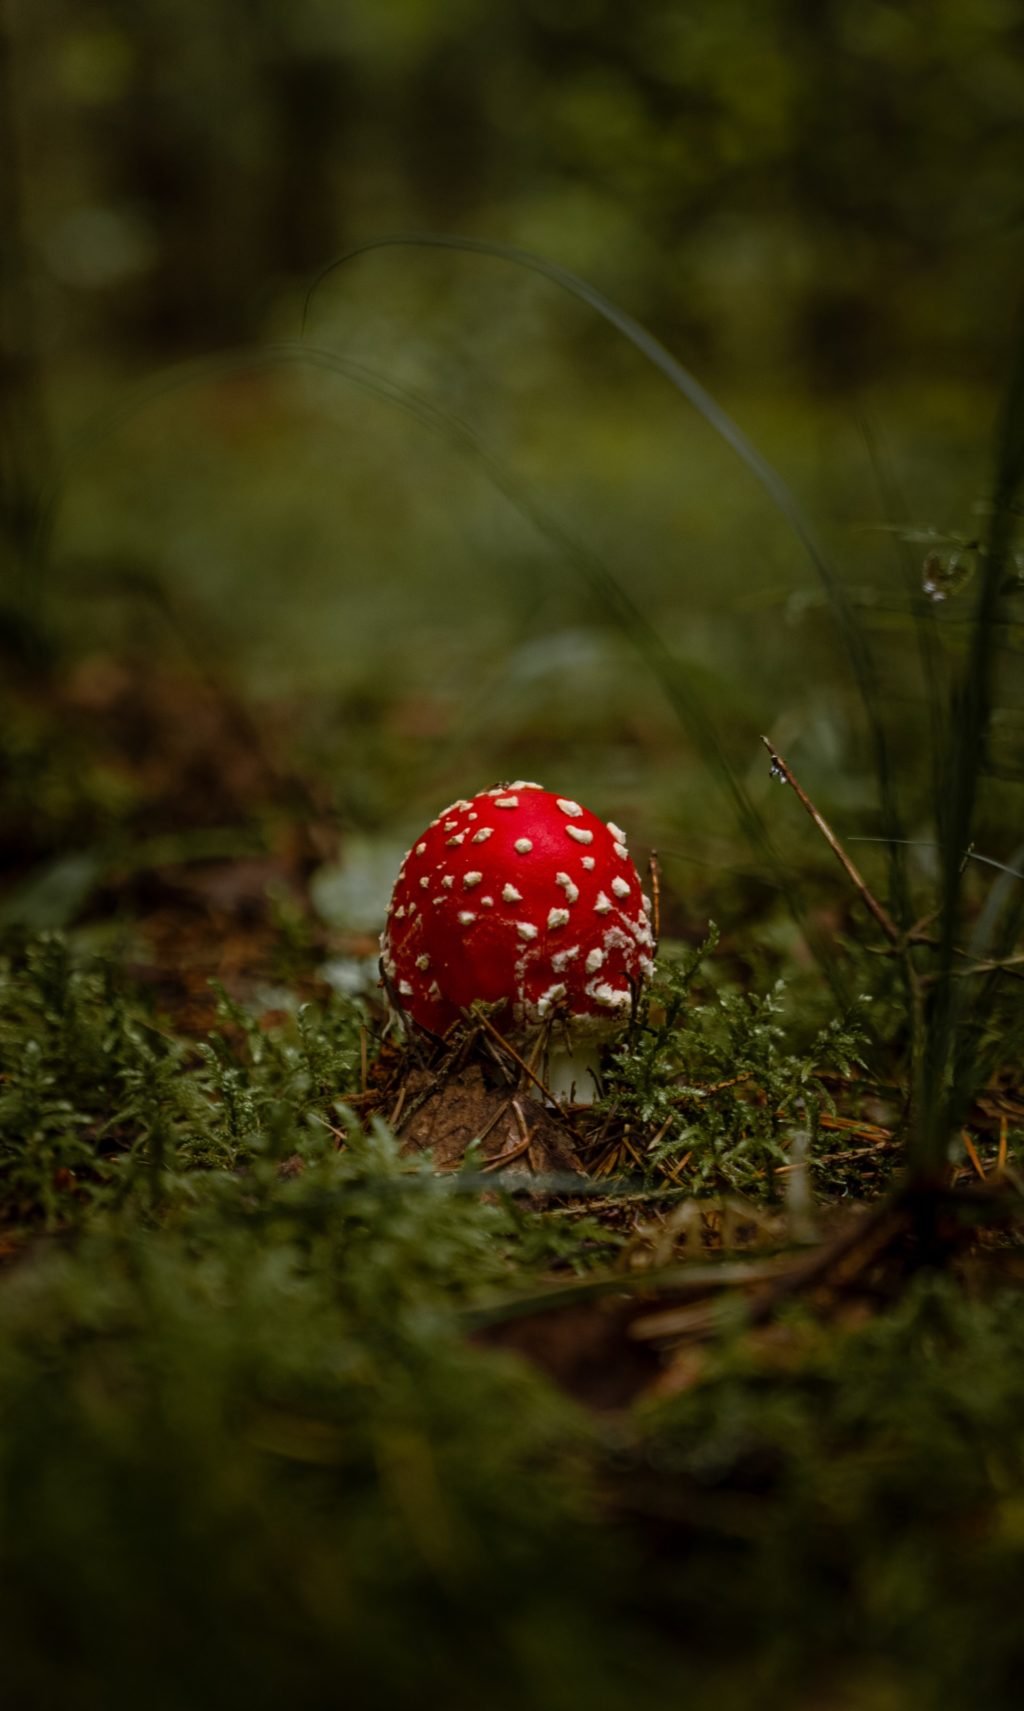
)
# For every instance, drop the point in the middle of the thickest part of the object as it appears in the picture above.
(709, 1084)
(97, 1098)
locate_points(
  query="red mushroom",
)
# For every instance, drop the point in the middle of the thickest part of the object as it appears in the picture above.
(525, 899)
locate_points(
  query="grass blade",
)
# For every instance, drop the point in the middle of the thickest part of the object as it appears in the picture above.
(948, 1075)
(853, 637)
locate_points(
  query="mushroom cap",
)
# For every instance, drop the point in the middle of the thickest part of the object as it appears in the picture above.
(522, 898)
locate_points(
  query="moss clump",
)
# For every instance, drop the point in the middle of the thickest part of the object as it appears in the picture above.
(249, 1452)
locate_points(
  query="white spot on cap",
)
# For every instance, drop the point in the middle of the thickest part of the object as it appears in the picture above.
(450, 825)
(483, 834)
(588, 863)
(433, 990)
(405, 989)
(561, 958)
(526, 930)
(459, 838)
(604, 904)
(511, 895)
(420, 848)
(621, 851)
(594, 960)
(550, 997)
(571, 891)
(523, 846)
(506, 802)
(643, 936)
(471, 879)
(610, 996)
(400, 912)
(523, 784)
(558, 917)
(616, 831)
(573, 809)
(487, 902)
(423, 962)
(648, 906)
(448, 881)
(620, 886)
(466, 916)
(424, 882)
(582, 834)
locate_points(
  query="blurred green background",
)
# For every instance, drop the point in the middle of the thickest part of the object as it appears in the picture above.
(816, 204)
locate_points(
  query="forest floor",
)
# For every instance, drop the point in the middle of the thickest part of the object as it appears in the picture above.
(323, 1359)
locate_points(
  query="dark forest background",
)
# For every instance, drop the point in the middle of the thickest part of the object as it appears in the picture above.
(818, 206)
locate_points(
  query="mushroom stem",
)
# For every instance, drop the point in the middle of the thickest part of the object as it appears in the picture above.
(572, 1071)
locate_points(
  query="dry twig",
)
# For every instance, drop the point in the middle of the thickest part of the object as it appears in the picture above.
(882, 916)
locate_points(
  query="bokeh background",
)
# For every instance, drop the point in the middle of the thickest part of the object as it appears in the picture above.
(244, 588)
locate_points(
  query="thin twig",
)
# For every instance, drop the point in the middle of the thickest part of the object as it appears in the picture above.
(662, 1132)
(972, 1154)
(884, 919)
(837, 1158)
(494, 1120)
(857, 1245)
(627, 1142)
(1001, 965)
(339, 1134)
(655, 876)
(1001, 1158)
(522, 1145)
(500, 1159)
(672, 1168)
(524, 1066)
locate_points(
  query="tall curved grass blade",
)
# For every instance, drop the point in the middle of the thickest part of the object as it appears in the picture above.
(669, 672)
(722, 423)
(897, 517)
(950, 1073)
(980, 1048)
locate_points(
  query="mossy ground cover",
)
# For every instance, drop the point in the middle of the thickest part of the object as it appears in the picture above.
(335, 1371)
(308, 1392)
(288, 1413)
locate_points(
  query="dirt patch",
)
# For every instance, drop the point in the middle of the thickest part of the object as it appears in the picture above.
(515, 1130)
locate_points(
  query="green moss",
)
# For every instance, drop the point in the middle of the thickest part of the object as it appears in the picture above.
(716, 1080)
(849, 1506)
(248, 1452)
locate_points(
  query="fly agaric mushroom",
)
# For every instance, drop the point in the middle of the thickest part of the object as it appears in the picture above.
(526, 900)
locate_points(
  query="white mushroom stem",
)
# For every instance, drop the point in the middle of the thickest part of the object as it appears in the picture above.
(572, 1076)
(571, 1069)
